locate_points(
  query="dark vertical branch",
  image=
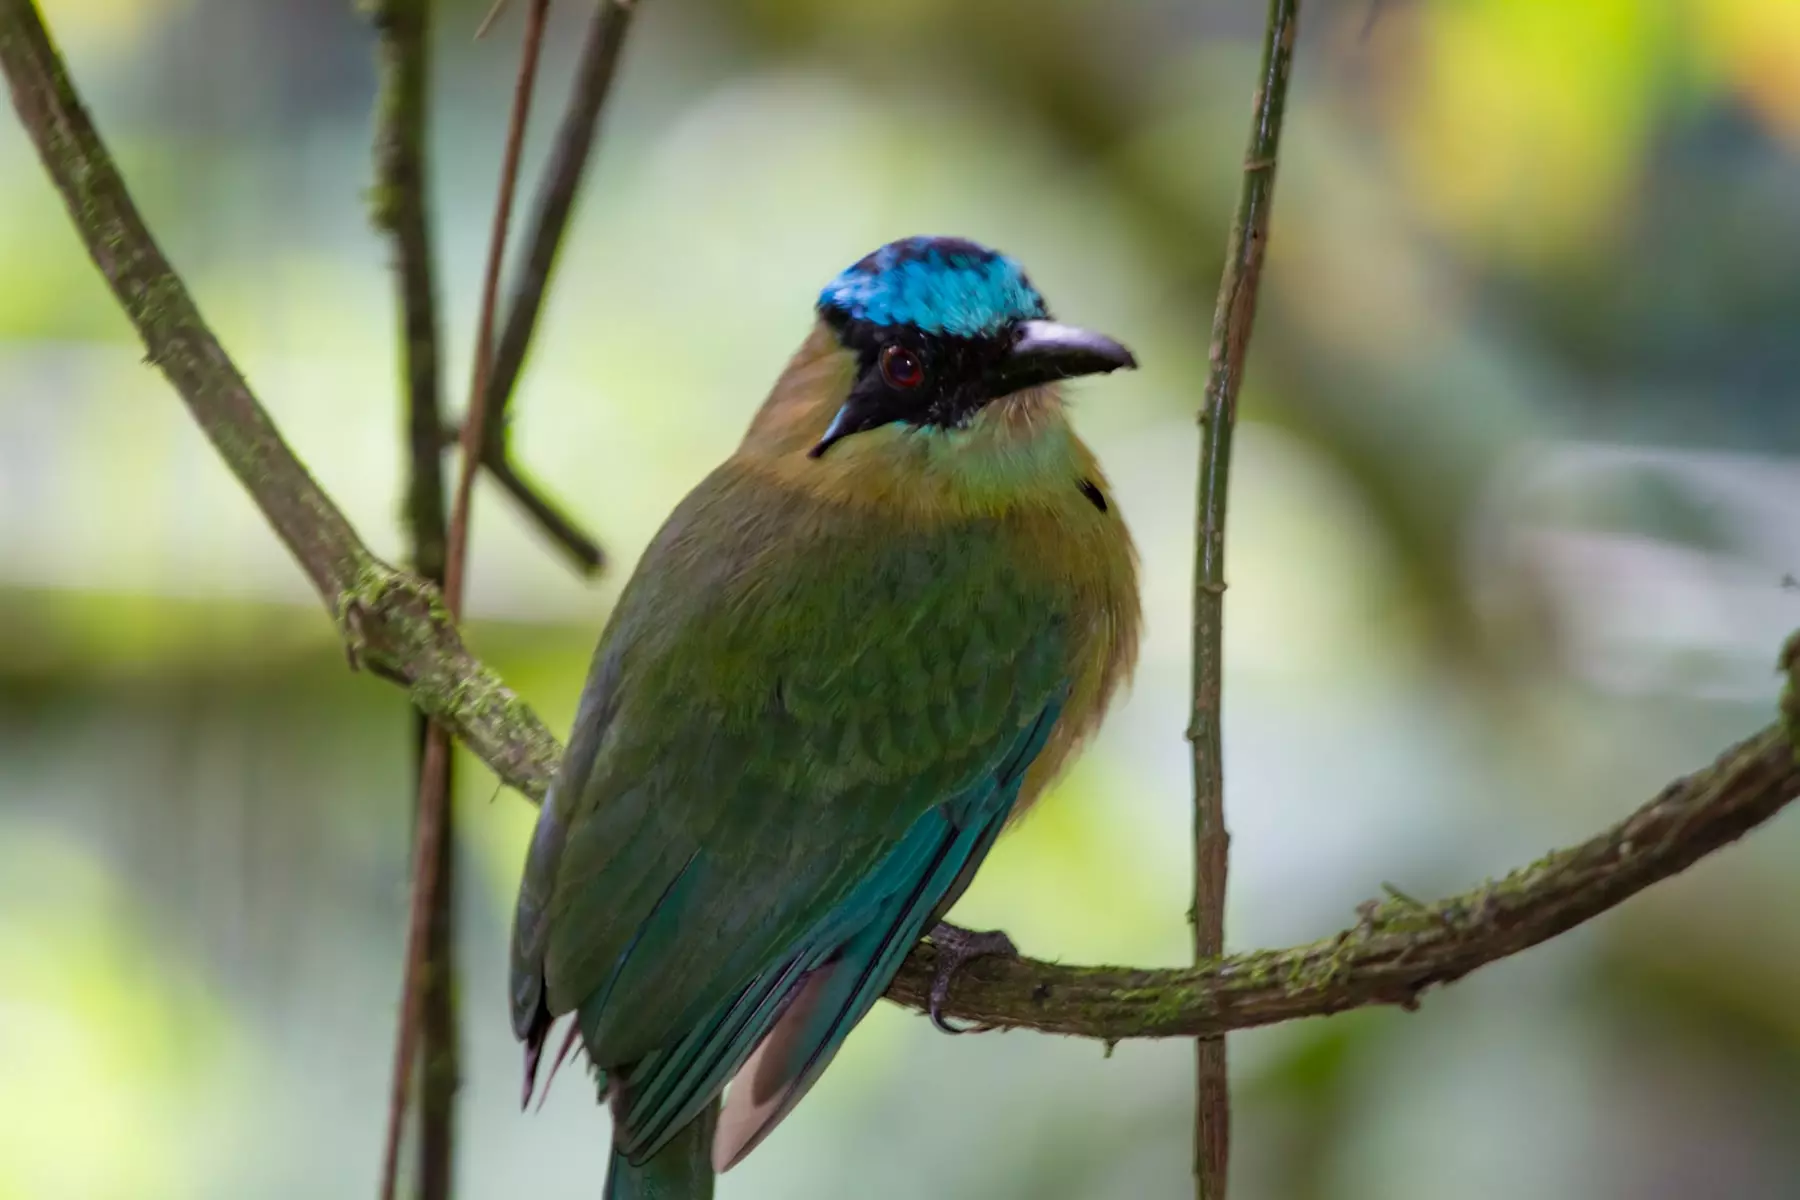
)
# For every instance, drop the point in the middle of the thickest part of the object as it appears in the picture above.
(553, 205)
(556, 195)
(440, 1055)
(431, 854)
(402, 211)
(1232, 321)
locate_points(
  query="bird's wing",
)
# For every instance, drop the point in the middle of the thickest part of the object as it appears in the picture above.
(796, 738)
(778, 1033)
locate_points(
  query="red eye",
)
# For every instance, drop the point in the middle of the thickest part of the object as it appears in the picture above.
(901, 367)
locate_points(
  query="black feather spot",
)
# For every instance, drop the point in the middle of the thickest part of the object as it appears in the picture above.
(1094, 495)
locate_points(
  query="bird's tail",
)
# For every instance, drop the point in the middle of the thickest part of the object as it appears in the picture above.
(681, 1170)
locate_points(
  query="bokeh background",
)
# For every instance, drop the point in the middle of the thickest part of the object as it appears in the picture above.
(1513, 538)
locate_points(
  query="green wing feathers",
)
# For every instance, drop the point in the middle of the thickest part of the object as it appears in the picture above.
(805, 724)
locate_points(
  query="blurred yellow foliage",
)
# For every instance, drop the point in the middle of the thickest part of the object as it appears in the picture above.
(109, 25)
(1521, 122)
(1755, 44)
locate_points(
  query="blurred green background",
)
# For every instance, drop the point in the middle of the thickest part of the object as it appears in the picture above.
(1513, 543)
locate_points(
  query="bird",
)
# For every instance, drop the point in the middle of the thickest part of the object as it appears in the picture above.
(852, 656)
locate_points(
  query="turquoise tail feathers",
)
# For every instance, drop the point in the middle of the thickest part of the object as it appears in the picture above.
(681, 1170)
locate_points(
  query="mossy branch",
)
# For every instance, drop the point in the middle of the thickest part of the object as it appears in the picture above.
(1399, 948)
(396, 624)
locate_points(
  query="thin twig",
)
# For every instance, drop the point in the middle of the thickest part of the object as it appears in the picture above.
(440, 1064)
(1232, 321)
(395, 623)
(431, 842)
(402, 210)
(476, 420)
(555, 201)
(487, 22)
(582, 550)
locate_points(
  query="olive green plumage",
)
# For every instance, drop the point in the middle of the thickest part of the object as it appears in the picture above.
(789, 685)
(833, 678)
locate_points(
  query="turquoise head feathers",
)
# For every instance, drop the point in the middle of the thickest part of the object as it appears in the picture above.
(942, 327)
(937, 285)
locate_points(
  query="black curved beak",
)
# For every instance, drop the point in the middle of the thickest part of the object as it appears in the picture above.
(1046, 351)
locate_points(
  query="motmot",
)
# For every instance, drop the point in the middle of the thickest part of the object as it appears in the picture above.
(854, 653)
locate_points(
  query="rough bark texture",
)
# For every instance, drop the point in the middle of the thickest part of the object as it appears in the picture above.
(1398, 948)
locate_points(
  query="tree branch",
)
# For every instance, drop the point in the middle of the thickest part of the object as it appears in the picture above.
(431, 861)
(555, 203)
(1233, 319)
(395, 623)
(1399, 948)
(400, 210)
(403, 28)
(582, 551)
(556, 194)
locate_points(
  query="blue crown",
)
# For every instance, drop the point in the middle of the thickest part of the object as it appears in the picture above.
(937, 285)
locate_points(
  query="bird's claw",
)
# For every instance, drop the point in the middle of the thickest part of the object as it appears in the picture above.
(956, 948)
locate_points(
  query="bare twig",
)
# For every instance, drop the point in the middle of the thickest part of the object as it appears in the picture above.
(555, 202)
(401, 209)
(487, 22)
(582, 551)
(440, 1063)
(396, 623)
(432, 842)
(556, 194)
(1232, 321)
(479, 395)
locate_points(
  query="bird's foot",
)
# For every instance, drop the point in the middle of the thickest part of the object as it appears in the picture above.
(956, 948)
